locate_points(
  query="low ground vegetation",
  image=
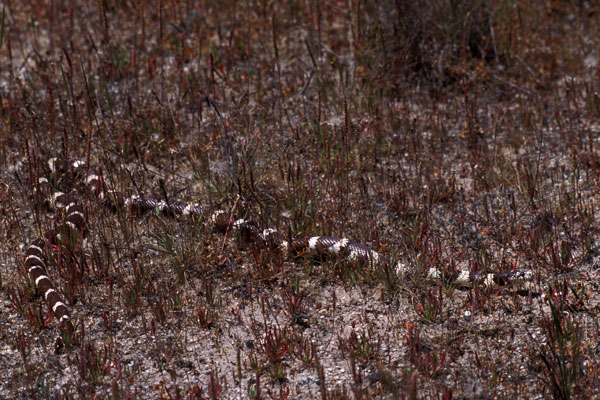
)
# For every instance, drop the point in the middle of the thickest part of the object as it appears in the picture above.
(448, 136)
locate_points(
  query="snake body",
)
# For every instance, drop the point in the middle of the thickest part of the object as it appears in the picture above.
(221, 220)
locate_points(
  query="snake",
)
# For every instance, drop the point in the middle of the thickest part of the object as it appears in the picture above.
(74, 222)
